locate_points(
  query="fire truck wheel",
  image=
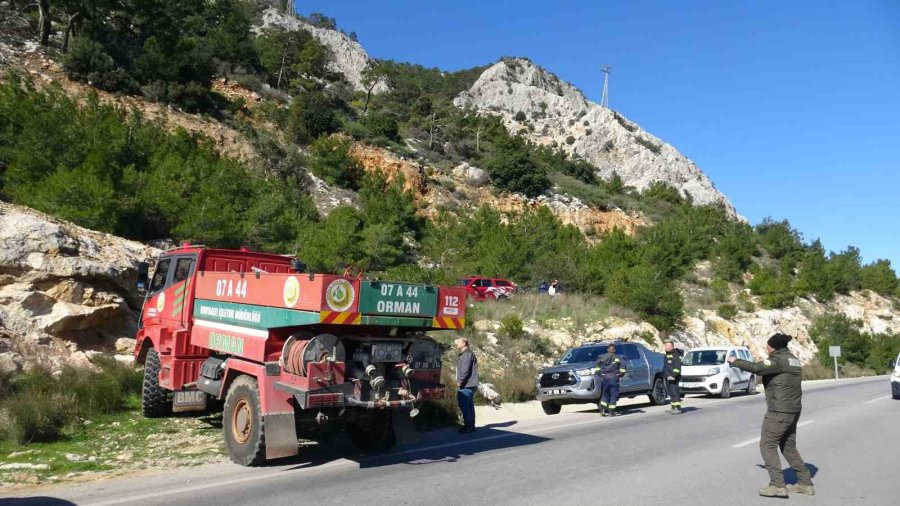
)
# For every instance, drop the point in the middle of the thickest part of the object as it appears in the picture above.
(242, 423)
(374, 432)
(154, 398)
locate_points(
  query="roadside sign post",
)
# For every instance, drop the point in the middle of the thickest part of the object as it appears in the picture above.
(835, 351)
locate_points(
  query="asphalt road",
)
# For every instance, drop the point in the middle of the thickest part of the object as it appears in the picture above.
(850, 438)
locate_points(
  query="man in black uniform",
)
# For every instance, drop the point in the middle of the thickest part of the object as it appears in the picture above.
(611, 370)
(781, 377)
(672, 372)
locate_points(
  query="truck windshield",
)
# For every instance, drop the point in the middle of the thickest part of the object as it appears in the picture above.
(583, 355)
(706, 357)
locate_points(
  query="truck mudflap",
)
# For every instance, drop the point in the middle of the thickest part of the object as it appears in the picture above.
(281, 435)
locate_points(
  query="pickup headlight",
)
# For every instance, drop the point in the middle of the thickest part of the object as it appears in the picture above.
(537, 377)
(714, 371)
(585, 372)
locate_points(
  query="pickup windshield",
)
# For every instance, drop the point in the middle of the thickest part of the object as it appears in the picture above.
(706, 357)
(583, 355)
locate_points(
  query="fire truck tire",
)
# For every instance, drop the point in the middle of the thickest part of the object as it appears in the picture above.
(374, 433)
(242, 423)
(154, 398)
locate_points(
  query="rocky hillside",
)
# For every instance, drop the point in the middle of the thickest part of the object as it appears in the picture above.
(65, 291)
(550, 111)
(347, 56)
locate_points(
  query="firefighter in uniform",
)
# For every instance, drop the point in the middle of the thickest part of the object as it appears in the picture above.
(611, 370)
(672, 373)
(781, 378)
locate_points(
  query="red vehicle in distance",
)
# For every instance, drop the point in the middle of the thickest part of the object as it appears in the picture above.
(481, 288)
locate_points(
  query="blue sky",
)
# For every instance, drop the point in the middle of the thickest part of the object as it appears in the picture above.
(792, 108)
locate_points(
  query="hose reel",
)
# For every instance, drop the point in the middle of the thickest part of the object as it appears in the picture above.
(300, 350)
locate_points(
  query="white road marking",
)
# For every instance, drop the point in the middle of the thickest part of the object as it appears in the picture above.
(878, 399)
(756, 439)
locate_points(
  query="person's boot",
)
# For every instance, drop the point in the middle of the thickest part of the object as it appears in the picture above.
(603, 411)
(676, 410)
(613, 412)
(773, 491)
(802, 489)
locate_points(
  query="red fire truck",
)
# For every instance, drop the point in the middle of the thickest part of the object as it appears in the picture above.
(281, 347)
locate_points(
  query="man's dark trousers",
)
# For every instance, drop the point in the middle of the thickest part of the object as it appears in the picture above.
(465, 397)
(779, 430)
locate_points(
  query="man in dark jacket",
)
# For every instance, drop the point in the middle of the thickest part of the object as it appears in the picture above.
(466, 384)
(781, 378)
(611, 370)
(672, 373)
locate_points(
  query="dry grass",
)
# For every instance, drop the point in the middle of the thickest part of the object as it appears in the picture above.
(816, 371)
(541, 308)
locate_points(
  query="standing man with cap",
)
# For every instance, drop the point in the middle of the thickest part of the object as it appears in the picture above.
(672, 372)
(466, 384)
(611, 370)
(781, 377)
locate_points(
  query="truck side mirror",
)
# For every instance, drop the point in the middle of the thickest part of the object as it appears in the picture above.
(143, 277)
(556, 362)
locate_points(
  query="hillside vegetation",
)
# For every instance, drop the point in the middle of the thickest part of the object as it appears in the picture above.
(109, 169)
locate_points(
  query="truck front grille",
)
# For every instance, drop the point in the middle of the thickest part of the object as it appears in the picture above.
(561, 379)
(692, 379)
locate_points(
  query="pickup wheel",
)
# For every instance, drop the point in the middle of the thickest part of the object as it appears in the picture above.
(657, 394)
(751, 386)
(726, 390)
(242, 423)
(374, 432)
(154, 398)
(551, 408)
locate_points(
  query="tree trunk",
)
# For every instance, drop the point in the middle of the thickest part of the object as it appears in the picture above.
(45, 27)
(368, 96)
(431, 136)
(281, 70)
(70, 29)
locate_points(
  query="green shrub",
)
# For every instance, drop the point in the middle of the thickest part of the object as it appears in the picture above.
(727, 311)
(520, 116)
(39, 406)
(570, 140)
(331, 160)
(654, 147)
(646, 290)
(720, 290)
(512, 168)
(778, 237)
(879, 277)
(775, 289)
(539, 346)
(511, 327)
(381, 126)
(310, 116)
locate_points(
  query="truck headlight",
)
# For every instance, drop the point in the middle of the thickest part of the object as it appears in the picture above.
(537, 377)
(714, 371)
(585, 372)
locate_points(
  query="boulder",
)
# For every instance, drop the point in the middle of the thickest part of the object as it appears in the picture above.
(64, 284)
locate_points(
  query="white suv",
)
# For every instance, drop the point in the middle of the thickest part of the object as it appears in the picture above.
(895, 379)
(705, 370)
